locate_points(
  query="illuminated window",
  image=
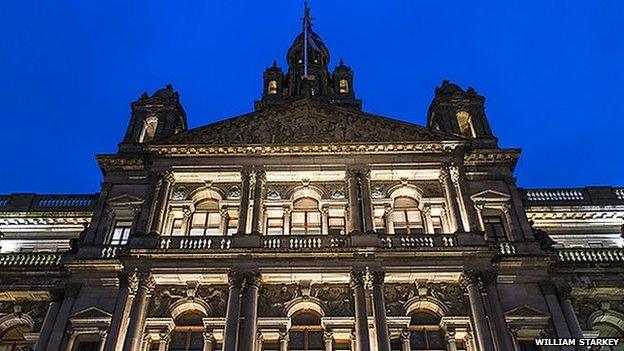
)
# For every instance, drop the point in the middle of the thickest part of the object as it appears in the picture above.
(149, 129)
(465, 124)
(206, 219)
(425, 333)
(232, 225)
(272, 87)
(437, 224)
(121, 233)
(336, 221)
(306, 332)
(176, 227)
(275, 221)
(306, 217)
(406, 216)
(343, 86)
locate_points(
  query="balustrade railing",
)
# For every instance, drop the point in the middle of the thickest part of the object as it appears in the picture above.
(30, 259)
(590, 254)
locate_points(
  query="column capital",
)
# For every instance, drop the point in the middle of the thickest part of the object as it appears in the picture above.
(352, 173)
(358, 277)
(209, 336)
(223, 211)
(564, 291)
(102, 334)
(147, 281)
(405, 334)
(168, 176)
(506, 207)
(454, 173)
(245, 174)
(260, 176)
(328, 336)
(468, 278)
(236, 278)
(284, 336)
(377, 277)
(164, 336)
(252, 279)
(130, 281)
(489, 276)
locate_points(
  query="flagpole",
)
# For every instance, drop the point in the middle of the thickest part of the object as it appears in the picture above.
(305, 39)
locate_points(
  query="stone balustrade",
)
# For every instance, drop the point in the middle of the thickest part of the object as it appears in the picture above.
(590, 255)
(30, 259)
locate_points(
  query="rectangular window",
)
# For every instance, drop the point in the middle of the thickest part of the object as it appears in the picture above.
(205, 223)
(176, 227)
(407, 222)
(305, 223)
(336, 225)
(495, 228)
(121, 233)
(437, 224)
(275, 226)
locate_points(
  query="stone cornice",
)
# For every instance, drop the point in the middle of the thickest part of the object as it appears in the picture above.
(120, 163)
(420, 147)
(492, 156)
(15, 219)
(573, 215)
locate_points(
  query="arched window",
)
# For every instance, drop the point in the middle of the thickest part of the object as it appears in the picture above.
(149, 129)
(465, 124)
(188, 333)
(406, 216)
(272, 87)
(306, 217)
(425, 333)
(206, 219)
(343, 86)
(306, 332)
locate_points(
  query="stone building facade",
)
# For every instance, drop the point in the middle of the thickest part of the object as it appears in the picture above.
(310, 224)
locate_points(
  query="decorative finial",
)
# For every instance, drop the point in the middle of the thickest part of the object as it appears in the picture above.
(274, 63)
(341, 63)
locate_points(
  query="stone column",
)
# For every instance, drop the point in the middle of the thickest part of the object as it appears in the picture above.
(367, 204)
(570, 315)
(138, 313)
(451, 201)
(128, 285)
(48, 321)
(91, 236)
(160, 207)
(102, 334)
(405, 340)
(283, 341)
(259, 195)
(163, 342)
(243, 209)
(230, 332)
(468, 214)
(72, 335)
(379, 312)
(328, 338)
(388, 220)
(259, 340)
(451, 343)
(501, 332)
(469, 281)
(249, 323)
(287, 212)
(509, 221)
(223, 223)
(353, 342)
(361, 317)
(428, 223)
(209, 341)
(556, 315)
(325, 220)
(58, 330)
(355, 214)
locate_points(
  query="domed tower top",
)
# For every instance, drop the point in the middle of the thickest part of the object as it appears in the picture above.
(308, 75)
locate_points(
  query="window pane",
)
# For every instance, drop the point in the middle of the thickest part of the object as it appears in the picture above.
(314, 218)
(199, 219)
(399, 217)
(197, 231)
(214, 219)
(298, 218)
(213, 231)
(413, 216)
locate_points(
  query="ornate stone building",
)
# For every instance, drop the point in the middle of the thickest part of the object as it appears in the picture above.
(309, 224)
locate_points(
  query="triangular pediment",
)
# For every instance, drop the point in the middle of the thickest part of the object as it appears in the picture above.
(124, 200)
(305, 121)
(90, 313)
(524, 311)
(490, 196)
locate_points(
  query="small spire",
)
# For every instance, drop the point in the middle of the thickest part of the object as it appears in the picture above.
(274, 63)
(341, 63)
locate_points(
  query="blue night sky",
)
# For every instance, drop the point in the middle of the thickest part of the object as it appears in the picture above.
(552, 72)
